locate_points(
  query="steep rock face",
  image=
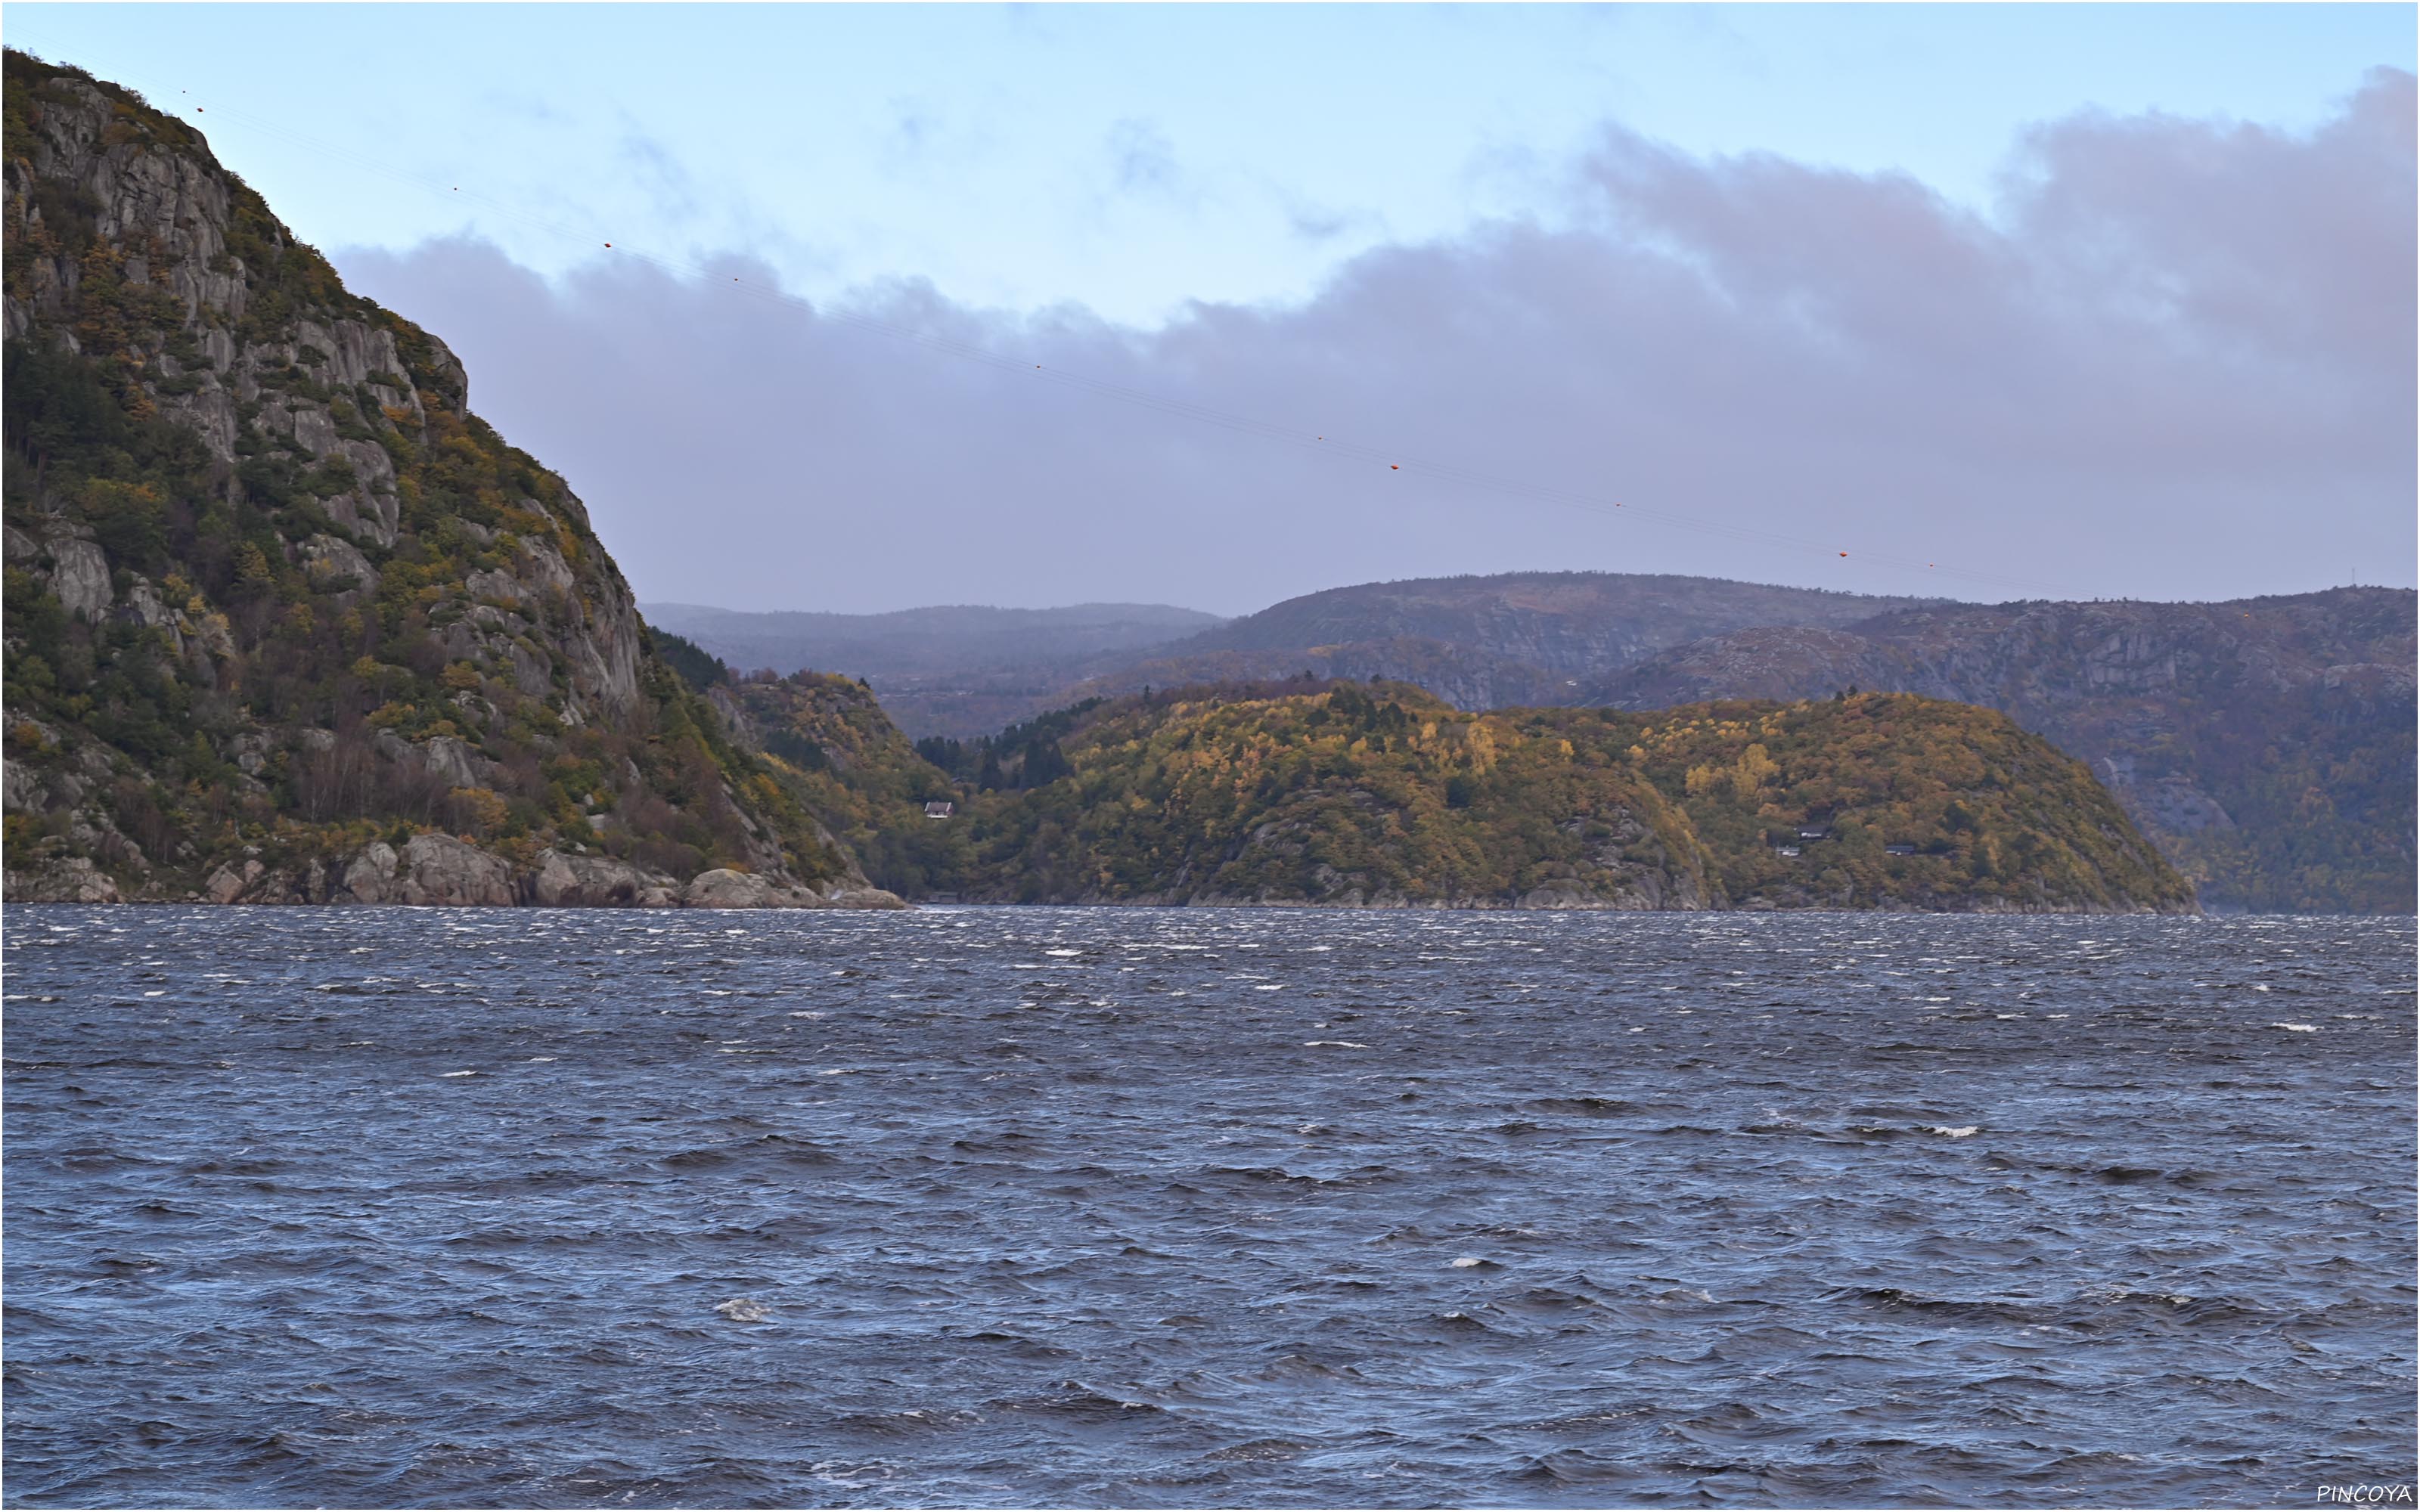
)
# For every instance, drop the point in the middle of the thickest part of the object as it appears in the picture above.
(278, 602)
(2265, 743)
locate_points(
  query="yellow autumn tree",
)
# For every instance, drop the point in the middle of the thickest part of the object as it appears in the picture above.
(1754, 769)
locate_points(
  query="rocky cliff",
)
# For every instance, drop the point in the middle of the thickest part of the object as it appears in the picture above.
(2266, 744)
(286, 621)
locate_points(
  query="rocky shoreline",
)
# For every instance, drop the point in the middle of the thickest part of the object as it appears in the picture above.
(438, 871)
(1541, 902)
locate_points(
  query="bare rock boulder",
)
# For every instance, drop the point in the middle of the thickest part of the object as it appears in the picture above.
(591, 882)
(229, 884)
(724, 887)
(866, 898)
(441, 870)
(67, 880)
(431, 870)
(369, 877)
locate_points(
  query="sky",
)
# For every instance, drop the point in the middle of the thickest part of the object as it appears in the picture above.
(2000, 301)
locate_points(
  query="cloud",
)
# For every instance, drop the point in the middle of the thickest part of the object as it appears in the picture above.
(2176, 360)
(672, 191)
(1313, 222)
(1143, 160)
(913, 127)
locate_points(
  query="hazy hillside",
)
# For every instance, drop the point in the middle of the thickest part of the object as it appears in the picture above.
(1477, 642)
(1569, 623)
(285, 621)
(919, 641)
(1489, 641)
(2267, 743)
(958, 670)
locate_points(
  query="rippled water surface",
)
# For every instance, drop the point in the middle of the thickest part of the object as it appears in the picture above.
(1029, 1207)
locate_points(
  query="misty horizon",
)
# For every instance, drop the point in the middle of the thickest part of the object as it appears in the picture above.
(1981, 602)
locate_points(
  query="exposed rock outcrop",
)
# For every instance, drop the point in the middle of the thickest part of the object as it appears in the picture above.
(596, 882)
(441, 870)
(724, 887)
(877, 898)
(431, 869)
(72, 879)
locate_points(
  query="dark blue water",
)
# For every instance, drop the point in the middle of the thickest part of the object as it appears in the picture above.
(1027, 1207)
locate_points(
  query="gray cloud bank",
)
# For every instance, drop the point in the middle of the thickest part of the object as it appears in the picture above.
(2177, 361)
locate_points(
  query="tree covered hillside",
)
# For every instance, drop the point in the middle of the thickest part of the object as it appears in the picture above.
(841, 752)
(1919, 804)
(285, 620)
(1379, 794)
(2265, 743)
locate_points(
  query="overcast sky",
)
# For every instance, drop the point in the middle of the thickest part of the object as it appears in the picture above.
(2067, 301)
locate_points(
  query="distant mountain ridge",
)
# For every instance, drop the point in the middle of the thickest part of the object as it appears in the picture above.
(1479, 641)
(1559, 621)
(1483, 641)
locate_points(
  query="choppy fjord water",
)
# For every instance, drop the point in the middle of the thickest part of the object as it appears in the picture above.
(1269, 1208)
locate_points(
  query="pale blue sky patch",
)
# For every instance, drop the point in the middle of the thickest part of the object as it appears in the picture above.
(870, 139)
